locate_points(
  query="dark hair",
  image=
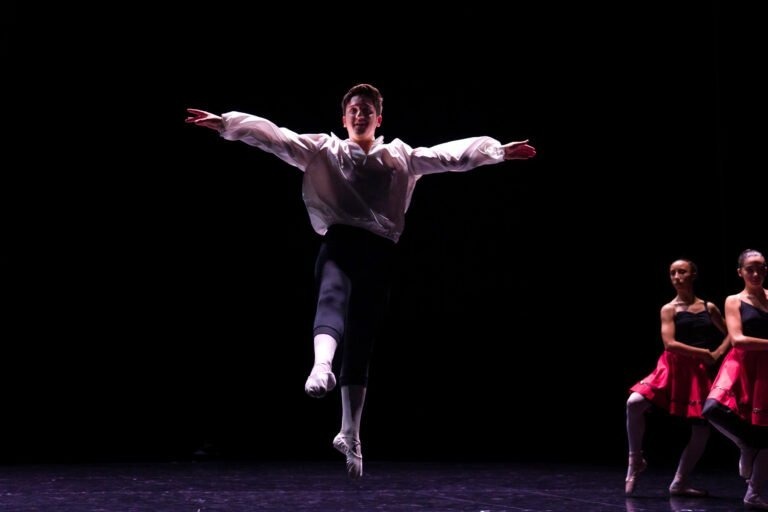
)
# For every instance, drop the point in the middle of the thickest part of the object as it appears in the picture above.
(694, 267)
(367, 91)
(746, 253)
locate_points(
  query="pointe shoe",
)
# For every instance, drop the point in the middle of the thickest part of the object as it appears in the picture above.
(636, 466)
(746, 459)
(319, 382)
(755, 502)
(682, 489)
(351, 449)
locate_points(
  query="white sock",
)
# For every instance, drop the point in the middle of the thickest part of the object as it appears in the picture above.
(321, 379)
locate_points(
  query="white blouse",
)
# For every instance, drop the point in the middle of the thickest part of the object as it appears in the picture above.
(344, 185)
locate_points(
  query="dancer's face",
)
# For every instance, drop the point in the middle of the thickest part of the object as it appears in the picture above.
(360, 119)
(753, 270)
(681, 275)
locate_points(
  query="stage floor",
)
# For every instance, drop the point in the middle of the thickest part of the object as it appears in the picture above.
(247, 486)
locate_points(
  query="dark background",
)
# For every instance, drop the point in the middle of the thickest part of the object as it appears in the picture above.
(160, 278)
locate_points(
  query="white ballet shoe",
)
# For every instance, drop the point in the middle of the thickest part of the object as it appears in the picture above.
(352, 451)
(320, 382)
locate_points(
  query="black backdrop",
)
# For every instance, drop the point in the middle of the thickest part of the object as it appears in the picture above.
(161, 290)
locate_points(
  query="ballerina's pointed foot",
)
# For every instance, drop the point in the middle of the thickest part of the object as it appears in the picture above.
(351, 449)
(636, 466)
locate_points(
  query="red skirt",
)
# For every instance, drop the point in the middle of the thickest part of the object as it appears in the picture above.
(742, 385)
(679, 385)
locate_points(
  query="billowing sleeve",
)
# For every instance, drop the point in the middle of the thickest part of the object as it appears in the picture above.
(456, 156)
(291, 147)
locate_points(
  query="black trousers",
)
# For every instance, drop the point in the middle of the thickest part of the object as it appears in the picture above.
(353, 274)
